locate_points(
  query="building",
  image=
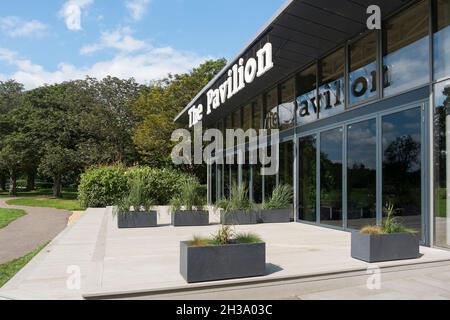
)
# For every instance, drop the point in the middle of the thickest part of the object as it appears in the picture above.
(363, 113)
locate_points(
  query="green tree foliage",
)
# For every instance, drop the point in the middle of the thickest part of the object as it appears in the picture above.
(159, 105)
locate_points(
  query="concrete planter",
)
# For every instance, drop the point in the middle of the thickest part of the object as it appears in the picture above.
(212, 263)
(190, 218)
(386, 247)
(275, 216)
(137, 220)
(239, 217)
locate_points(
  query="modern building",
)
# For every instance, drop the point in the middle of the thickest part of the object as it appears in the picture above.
(363, 114)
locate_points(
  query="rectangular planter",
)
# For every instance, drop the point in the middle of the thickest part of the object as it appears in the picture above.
(212, 263)
(275, 216)
(386, 247)
(137, 220)
(239, 218)
(190, 218)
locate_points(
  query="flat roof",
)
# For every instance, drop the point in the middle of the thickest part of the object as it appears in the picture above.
(301, 32)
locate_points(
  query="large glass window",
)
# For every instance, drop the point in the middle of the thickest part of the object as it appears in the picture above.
(256, 105)
(363, 69)
(286, 166)
(331, 84)
(402, 166)
(361, 174)
(271, 118)
(237, 119)
(307, 95)
(307, 178)
(286, 110)
(226, 181)
(257, 183)
(406, 50)
(441, 160)
(442, 39)
(246, 117)
(331, 177)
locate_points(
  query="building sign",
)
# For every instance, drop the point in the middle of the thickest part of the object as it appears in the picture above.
(241, 74)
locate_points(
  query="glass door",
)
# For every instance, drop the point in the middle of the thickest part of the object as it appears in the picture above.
(402, 166)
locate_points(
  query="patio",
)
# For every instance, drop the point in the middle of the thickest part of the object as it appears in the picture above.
(145, 262)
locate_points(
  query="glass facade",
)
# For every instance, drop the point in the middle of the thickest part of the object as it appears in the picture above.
(406, 50)
(347, 175)
(331, 84)
(307, 95)
(307, 178)
(441, 39)
(363, 69)
(441, 159)
(331, 177)
(402, 166)
(361, 174)
(286, 110)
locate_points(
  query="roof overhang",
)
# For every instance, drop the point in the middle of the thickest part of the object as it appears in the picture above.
(301, 32)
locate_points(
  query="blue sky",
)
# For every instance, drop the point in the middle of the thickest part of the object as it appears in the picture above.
(56, 40)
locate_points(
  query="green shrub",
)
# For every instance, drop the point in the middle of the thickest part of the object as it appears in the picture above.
(102, 186)
(281, 198)
(189, 198)
(108, 185)
(238, 200)
(137, 198)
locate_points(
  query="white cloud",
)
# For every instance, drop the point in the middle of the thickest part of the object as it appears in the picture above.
(137, 8)
(16, 27)
(120, 39)
(151, 64)
(71, 12)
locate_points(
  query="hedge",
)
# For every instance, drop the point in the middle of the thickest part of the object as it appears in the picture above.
(105, 186)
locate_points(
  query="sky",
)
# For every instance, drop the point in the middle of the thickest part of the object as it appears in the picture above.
(51, 41)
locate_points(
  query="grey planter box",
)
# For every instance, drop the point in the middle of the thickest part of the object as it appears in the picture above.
(190, 218)
(386, 247)
(239, 218)
(137, 220)
(212, 263)
(275, 216)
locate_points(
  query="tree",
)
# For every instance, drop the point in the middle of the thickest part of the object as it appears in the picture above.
(56, 163)
(158, 106)
(11, 159)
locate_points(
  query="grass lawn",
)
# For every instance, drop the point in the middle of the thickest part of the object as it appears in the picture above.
(67, 193)
(47, 202)
(9, 269)
(9, 215)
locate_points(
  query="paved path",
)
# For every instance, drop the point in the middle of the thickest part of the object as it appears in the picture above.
(29, 232)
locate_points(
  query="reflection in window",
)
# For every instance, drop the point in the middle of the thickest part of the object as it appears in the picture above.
(363, 74)
(286, 165)
(442, 39)
(441, 147)
(402, 173)
(361, 174)
(307, 178)
(257, 183)
(256, 105)
(331, 177)
(406, 50)
(331, 84)
(234, 172)
(226, 181)
(306, 95)
(286, 109)
(237, 119)
(213, 184)
(246, 117)
(219, 181)
(271, 119)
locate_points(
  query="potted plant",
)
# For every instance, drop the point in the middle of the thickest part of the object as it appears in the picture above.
(279, 207)
(134, 210)
(237, 209)
(388, 242)
(187, 207)
(225, 255)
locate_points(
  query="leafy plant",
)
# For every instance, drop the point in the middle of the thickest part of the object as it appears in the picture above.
(238, 200)
(189, 197)
(281, 198)
(225, 236)
(138, 197)
(389, 225)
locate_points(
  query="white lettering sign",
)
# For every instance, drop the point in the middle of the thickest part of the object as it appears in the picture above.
(241, 74)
